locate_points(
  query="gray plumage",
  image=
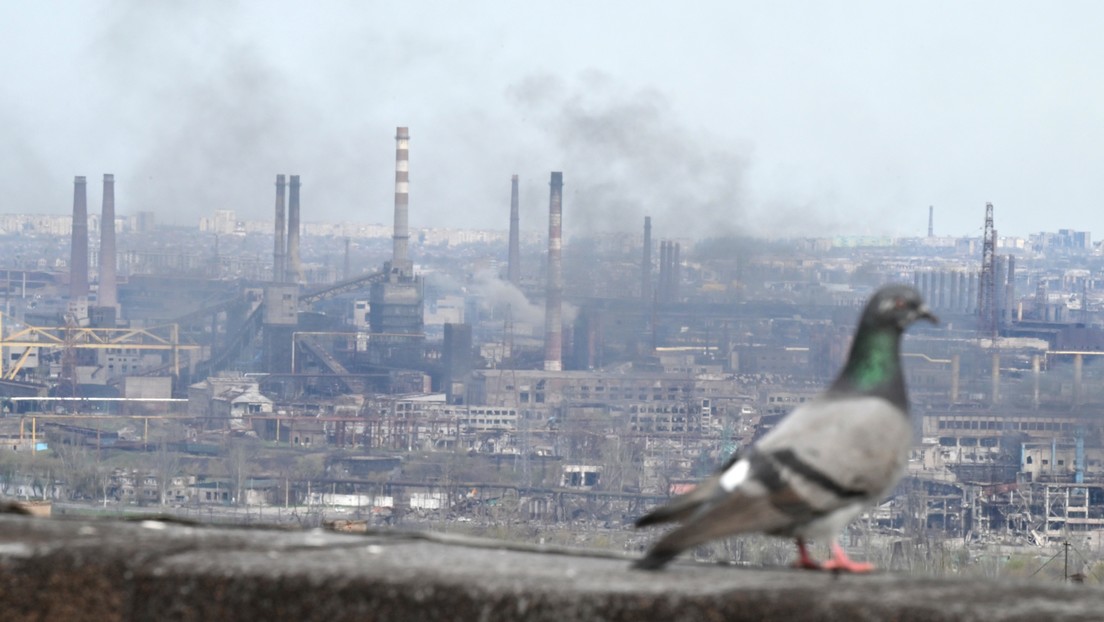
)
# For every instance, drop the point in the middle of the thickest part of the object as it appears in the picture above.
(822, 465)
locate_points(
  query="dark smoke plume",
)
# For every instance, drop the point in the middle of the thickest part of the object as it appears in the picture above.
(625, 155)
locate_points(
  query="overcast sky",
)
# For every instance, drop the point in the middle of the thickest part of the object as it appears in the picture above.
(767, 118)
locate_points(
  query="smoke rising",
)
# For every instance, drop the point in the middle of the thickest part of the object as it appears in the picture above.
(196, 106)
(626, 155)
(496, 293)
(214, 116)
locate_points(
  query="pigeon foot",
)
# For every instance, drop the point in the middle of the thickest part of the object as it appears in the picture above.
(804, 560)
(840, 562)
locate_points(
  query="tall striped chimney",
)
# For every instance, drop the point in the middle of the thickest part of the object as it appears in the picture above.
(279, 245)
(400, 260)
(294, 273)
(513, 258)
(553, 340)
(107, 296)
(931, 221)
(78, 248)
(646, 263)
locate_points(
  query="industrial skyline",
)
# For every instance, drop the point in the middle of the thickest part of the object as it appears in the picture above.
(654, 357)
(700, 201)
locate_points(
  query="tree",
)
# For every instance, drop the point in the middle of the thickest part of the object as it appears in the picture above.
(237, 459)
(166, 465)
(80, 468)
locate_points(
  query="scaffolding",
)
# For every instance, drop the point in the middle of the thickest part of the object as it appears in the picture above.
(69, 337)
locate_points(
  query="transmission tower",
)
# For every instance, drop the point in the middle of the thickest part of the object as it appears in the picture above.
(987, 285)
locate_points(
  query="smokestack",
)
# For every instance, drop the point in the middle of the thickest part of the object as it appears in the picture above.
(553, 341)
(998, 288)
(931, 221)
(400, 261)
(513, 268)
(293, 274)
(279, 246)
(676, 271)
(78, 248)
(107, 296)
(664, 268)
(972, 293)
(668, 271)
(963, 294)
(646, 263)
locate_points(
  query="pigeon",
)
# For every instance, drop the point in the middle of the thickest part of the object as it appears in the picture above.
(823, 464)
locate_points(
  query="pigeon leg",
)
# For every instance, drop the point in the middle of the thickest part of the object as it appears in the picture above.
(841, 562)
(804, 560)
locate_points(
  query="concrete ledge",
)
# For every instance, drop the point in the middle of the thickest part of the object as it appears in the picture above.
(68, 570)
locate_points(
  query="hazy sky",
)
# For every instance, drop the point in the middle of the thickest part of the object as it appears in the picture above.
(769, 118)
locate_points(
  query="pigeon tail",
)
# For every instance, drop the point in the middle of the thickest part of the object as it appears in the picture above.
(656, 559)
(685, 505)
(664, 514)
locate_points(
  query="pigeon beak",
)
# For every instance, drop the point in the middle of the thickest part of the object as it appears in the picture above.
(924, 313)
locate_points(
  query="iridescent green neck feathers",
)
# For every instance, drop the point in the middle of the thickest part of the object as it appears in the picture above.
(874, 366)
(874, 360)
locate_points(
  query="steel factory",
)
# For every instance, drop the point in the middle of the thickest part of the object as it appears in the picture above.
(452, 374)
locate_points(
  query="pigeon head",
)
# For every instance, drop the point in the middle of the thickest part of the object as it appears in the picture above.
(896, 306)
(874, 365)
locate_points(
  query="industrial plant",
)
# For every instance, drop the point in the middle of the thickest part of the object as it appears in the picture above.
(476, 377)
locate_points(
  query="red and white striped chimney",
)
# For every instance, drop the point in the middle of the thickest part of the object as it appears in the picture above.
(78, 248)
(553, 327)
(107, 296)
(400, 260)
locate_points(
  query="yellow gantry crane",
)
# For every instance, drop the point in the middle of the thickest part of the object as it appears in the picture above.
(164, 337)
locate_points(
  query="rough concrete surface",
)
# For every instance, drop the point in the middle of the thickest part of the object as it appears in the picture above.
(150, 570)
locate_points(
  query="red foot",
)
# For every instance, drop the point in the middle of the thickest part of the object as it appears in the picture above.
(840, 562)
(804, 560)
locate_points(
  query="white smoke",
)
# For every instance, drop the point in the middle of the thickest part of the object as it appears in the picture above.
(494, 294)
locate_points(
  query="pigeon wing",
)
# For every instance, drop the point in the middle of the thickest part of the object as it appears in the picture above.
(837, 449)
(827, 455)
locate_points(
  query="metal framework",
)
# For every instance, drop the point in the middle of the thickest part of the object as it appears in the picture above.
(342, 287)
(306, 339)
(165, 337)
